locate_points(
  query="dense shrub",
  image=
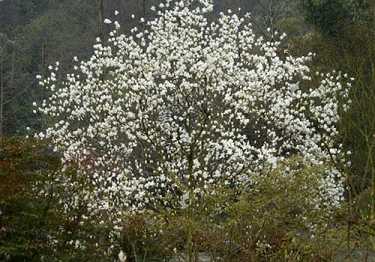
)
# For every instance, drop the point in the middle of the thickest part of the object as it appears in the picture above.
(24, 218)
(282, 216)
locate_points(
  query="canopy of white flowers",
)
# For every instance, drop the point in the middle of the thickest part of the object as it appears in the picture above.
(184, 103)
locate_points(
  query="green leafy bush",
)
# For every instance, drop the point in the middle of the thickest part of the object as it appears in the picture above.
(284, 215)
(24, 219)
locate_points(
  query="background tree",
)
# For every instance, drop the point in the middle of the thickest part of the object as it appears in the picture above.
(332, 17)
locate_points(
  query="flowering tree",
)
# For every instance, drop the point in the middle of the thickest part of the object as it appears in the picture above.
(184, 104)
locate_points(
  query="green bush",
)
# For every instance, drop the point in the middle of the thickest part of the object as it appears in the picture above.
(24, 219)
(284, 215)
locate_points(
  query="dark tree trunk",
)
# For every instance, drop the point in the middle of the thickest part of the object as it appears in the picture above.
(1, 97)
(100, 18)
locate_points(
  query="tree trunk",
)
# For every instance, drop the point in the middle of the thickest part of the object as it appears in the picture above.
(144, 9)
(43, 55)
(1, 97)
(100, 18)
(11, 84)
(13, 68)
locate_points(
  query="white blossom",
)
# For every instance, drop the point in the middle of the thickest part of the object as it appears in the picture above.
(122, 257)
(186, 104)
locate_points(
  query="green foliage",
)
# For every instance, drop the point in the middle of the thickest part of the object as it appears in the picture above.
(283, 215)
(34, 226)
(23, 219)
(332, 16)
(280, 217)
(352, 53)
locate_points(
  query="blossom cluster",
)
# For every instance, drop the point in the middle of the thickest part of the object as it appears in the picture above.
(185, 103)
